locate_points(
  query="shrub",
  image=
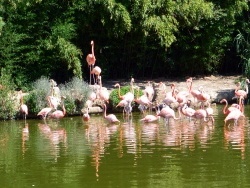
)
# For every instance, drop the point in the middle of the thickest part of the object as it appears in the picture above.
(114, 96)
(9, 104)
(76, 92)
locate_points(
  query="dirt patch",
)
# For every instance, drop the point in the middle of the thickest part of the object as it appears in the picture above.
(217, 87)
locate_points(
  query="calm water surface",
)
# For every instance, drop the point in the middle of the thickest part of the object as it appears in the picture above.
(73, 153)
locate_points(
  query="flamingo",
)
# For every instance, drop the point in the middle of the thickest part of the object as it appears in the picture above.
(234, 115)
(149, 91)
(53, 102)
(200, 114)
(128, 109)
(169, 99)
(123, 103)
(194, 93)
(143, 101)
(91, 59)
(203, 97)
(167, 113)
(129, 96)
(150, 118)
(96, 71)
(226, 109)
(92, 96)
(103, 92)
(58, 114)
(23, 107)
(86, 116)
(239, 92)
(187, 111)
(111, 118)
(44, 112)
(181, 96)
(210, 112)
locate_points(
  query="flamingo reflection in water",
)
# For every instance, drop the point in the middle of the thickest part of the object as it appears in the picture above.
(55, 136)
(235, 136)
(25, 137)
(98, 136)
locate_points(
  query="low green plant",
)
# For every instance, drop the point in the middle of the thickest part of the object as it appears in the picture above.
(37, 98)
(114, 95)
(9, 104)
(76, 92)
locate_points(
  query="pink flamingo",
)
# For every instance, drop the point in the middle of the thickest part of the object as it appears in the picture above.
(194, 93)
(170, 96)
(203, 97)
(129, 96)
(239, 92)
(58, 114)
(96, 71)
(168, 113)
(23, 107)
(200, 114)
(150, 118)
(210, 112)
(143, 101)
(181, 96)
(187, 111)
(44, 112)
(92, 96)
(226, 109)
(103, 92)
(91, 59)
(86, 116)
(111, 118)
(234, 115)
(149, 91)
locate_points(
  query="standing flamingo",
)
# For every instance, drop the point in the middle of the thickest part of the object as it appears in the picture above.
(111, 118)
(194, 93)
(200, 114)
(91, 59)
(181, 96)
(58, 114)
(170, 96)
(234, 115)
(149, 91)
(150, 118)
(226, 109)
(168, 113)
(187, 111)
(129, 96)
(239, 92)
(203, 97)
(86, 116)
(23, 107)
(143, 101)
(210, 113)
(96, 71)
(103, 92)
(44, 112)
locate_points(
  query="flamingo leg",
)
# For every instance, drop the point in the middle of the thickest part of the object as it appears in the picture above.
(89, 74)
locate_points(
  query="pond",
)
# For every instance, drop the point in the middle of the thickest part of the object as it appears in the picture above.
(73, 153)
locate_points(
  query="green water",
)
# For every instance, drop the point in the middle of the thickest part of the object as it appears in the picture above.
(73, 153)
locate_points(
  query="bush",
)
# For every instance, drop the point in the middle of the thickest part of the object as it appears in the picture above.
(9, 103)
(76, 92)
(114, 96)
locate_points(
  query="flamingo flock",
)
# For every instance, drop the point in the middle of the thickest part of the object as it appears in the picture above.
(174, 101)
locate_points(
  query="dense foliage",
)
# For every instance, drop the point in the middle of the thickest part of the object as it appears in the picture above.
(140, 38)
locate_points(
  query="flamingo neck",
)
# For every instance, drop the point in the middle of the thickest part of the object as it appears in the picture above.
(105, 113)
(64, 110)
(93, 50)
